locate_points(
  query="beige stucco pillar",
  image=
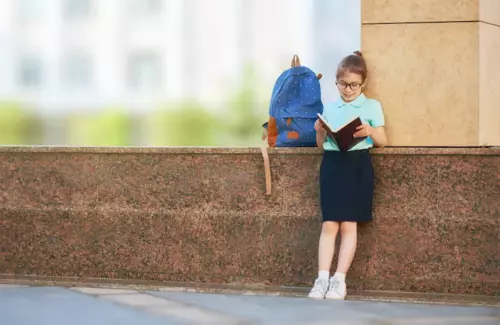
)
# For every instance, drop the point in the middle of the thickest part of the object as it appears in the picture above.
(435, 66)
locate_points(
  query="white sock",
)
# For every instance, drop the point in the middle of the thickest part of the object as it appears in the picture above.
(340, 276)
(324, 275)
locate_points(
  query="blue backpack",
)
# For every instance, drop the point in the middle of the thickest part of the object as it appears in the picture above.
(295, 103)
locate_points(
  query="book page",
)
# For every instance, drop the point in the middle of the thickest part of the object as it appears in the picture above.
(345, 124)
(324, 121)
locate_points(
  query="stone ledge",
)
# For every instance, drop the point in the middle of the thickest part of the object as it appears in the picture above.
(474, 151)
(417, 11)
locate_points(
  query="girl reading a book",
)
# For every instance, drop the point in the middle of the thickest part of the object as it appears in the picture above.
(346, 177)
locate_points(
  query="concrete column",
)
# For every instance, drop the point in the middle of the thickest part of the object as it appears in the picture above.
(435, 66)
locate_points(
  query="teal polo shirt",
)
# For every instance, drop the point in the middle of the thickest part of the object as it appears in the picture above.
(338, 113)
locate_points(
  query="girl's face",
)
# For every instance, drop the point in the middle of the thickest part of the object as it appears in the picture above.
(350, 86)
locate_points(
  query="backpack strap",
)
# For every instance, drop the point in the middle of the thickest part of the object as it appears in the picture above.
(267, 168)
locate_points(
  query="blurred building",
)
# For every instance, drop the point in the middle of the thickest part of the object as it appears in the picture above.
(60, 55)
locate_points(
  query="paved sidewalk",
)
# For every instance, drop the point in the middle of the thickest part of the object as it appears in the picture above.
(78, 306)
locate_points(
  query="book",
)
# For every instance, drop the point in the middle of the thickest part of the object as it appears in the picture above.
(343, 136)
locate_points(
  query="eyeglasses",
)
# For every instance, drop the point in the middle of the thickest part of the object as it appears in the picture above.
(343, 85)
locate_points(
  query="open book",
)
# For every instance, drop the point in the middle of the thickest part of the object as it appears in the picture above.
(344, 136)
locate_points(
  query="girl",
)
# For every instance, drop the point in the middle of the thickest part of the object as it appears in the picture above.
(346, 178)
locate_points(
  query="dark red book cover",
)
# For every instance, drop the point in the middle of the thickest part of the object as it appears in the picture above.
(343, 137)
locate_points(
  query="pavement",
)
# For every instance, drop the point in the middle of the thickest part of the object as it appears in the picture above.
(26, 305)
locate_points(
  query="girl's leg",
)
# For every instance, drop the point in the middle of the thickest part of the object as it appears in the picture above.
(349, 237)
(348, 233)
(326, 250)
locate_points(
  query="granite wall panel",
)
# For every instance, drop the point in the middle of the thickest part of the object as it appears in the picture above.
(202, 215)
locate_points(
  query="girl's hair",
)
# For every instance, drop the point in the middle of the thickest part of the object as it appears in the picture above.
(354, 63)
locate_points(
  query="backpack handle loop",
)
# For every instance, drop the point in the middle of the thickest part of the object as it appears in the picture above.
(295, 61)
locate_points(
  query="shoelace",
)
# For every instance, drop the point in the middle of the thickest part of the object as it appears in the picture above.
(318, 287)
(334, 285)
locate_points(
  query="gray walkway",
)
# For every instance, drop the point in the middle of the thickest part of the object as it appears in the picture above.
(58, 306)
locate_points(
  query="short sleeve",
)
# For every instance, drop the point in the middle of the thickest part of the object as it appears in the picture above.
(377, 118)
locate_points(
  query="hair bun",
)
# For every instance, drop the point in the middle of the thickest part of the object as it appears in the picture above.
(358, 53)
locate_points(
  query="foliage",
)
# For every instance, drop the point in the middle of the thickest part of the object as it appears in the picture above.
(187, 124)
(246, 111)
(18, 126)
(109, 127)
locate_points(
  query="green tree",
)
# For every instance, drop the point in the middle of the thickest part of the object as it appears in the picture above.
(246, 110)
(188, 124)
(19, 126)
(108, 127)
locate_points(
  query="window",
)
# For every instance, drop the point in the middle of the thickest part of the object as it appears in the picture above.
(77, 71)
(30, 74)
(74, 9)
(145, 71)
(145, 8)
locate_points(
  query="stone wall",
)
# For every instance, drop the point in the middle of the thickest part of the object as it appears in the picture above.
(434, 66)
(192, 214)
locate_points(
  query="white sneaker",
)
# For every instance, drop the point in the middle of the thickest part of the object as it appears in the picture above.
(337, 289)
(319, 290)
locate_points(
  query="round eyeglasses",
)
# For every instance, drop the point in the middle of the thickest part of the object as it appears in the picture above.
(343, 85)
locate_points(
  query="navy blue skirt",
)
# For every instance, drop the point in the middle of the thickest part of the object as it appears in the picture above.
(346, 186)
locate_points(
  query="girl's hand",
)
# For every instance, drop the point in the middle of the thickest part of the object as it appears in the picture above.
(319, 127)
(364, 130)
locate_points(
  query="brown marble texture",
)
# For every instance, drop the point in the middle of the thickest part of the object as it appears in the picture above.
(201, 215)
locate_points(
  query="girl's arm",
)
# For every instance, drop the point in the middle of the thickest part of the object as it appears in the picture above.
(377, 134)
(320, 139)
(320, 134)
(379, 137)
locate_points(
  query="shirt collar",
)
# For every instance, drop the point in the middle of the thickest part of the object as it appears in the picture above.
(358, 102)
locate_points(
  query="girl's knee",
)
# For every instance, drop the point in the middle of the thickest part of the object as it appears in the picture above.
(330, 228)
(347, 228)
